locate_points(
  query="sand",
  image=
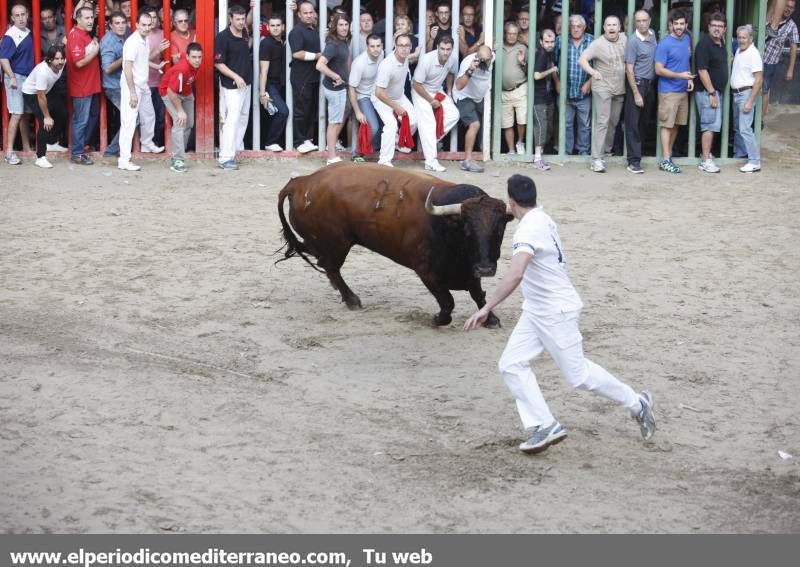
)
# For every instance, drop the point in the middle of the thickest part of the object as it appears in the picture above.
(158, 373)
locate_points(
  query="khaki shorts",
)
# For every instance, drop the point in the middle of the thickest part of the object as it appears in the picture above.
(673, 109)
(514, 102)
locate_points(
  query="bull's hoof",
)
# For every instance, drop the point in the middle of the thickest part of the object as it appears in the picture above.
(353, 303)
(492, 322)
(440, 319)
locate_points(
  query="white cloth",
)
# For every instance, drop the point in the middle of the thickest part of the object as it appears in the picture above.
(17, 35)
(147, 120)
(431, 73)
(391, 126)
(363, 73)
(560, 335)
(427, 123)
(41, 78)
(237, 109)
(392, 77)
(135, 49)
(745, 63)
(478, 85)
(546, 288)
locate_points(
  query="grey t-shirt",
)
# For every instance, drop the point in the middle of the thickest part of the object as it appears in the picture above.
(608, 58)
(642, 54)
(338, 55)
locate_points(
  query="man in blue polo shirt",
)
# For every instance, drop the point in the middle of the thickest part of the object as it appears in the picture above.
(16, 60)
(673, 57)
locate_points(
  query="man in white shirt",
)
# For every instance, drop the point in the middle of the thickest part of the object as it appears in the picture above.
(361, 86)
(389, 99)
(434, 69)
(135, 99)
(549, 321)
(747, 76)
(472, 83)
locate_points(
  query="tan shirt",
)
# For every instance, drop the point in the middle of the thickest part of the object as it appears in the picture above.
(609, 59)
(513, 73)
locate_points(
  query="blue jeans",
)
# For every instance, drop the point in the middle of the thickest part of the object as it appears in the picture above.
(583, 108)
(375, 126)
(85, 115)
(113, 96)
(276, 124)
(744, 138)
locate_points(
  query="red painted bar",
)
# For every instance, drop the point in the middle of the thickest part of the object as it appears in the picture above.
(36, 29)
(205, 121)
(101, 30)
(166, 25)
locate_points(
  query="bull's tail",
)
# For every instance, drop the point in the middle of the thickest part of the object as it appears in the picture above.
(292, 244)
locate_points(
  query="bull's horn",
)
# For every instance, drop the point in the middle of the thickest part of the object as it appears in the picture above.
(441, 210)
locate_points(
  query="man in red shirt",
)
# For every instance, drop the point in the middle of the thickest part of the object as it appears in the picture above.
(83, 82)
(181, 36)
(176, 92)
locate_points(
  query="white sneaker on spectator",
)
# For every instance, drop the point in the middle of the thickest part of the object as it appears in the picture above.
(307, 146)
(434, 166)
(128, 166)
(331, 161)
(386, 163)
(750, 167)
(273, 148)
(151, 149)
(56, 148)
(708, 166)
(404, 150)
(43, 163)
(521, 148)
(340, 147)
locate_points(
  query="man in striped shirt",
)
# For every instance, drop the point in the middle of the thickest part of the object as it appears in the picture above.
(777, 38)
(579, 87)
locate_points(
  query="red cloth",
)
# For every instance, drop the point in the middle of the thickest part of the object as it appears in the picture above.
(439, 115)
(365, 139)
(406, 139)
(179, 78)
(83, 81)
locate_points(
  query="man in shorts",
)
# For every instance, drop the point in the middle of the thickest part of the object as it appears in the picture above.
(472, 83)
(16, 60)
(514, 98)
(711, 58)
(673, 56)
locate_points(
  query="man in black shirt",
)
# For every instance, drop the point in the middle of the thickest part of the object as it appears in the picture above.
(441, 25)
(711, 58)
(545, 84)
(304, 77)
(233, 63)
(272, 82)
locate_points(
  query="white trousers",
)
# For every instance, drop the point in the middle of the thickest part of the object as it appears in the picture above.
(390, 126)
(427, 123)
(237, 113)
(561, 337)
(127, 122)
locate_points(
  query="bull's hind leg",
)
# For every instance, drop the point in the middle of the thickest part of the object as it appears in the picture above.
(479, 297)
(445, 300)
(332, 263)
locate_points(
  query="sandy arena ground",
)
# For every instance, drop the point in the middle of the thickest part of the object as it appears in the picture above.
(159, 374)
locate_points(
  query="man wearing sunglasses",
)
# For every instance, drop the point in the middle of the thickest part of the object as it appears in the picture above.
(182, 34)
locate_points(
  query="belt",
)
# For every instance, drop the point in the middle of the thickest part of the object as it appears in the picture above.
(518, 85)
(737, 91)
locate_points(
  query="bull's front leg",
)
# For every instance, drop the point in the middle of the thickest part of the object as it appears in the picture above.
(479, 297)
(445, 300)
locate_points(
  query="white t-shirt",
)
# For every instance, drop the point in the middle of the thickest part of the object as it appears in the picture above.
(41, 78)
(745, 63)
(431, 73)
(135, 49)
(478, 85)
(363, 73)
(546, 288)
(392, 77)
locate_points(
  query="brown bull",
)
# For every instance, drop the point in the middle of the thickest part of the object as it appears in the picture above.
(449, 234)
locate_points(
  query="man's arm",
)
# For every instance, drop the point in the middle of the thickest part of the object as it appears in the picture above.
(223, 69)
(41, 98)
(322, 67)
(449, 84)
(380, 94)
(662, 71)
(353, 96)
(792, 61)
(305, 55)
(6, 66)
(506, 287)
(127, 74)
(173, 97)
(263, 67)
(463, 79)
(89, 54)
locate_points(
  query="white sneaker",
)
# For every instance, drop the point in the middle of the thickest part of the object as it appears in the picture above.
(151, 149)
(43, 163)
(331, 161)
(750, 167)
(56, 148)
(404, 150)
(386, 163)
(340, 147)
(708, 166)
(273, 148)
(521, 148)
(307, 146)
(434, 166)
(128, 166)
